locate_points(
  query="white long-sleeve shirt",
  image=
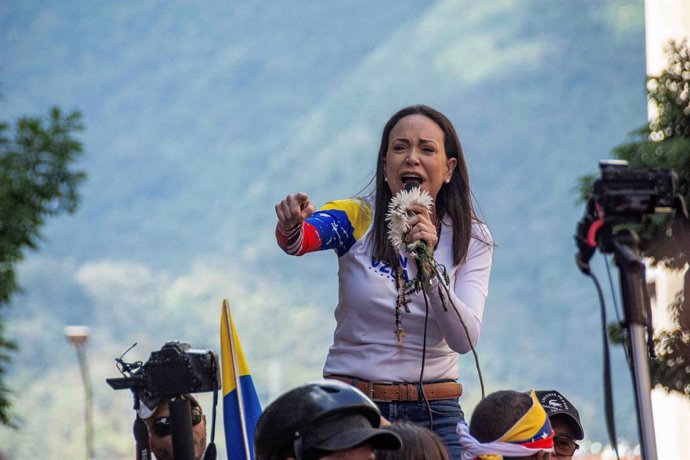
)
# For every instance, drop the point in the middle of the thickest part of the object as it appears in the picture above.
(364, 341)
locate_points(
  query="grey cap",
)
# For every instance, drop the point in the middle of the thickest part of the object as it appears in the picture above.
(555, 403)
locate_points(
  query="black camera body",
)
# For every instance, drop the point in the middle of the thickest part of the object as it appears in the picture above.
(624, 196)
(173, 370)
(627, 195)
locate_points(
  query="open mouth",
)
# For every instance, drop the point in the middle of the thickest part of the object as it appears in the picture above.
(411, 180)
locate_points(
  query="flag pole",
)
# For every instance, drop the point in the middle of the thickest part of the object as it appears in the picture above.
(238, 386)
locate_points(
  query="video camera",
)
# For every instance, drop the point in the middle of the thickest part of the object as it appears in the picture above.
(173, 370)
(624, 196)
(627, 195)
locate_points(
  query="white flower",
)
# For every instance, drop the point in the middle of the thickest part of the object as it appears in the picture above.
(398, 214)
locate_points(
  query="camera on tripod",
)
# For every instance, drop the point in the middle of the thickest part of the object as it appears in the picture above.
(621, 200)
(175, 369)
(626, 195)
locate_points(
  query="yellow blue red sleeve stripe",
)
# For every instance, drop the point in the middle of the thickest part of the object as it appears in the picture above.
(233, 414)
(358, 214)
(339, 224)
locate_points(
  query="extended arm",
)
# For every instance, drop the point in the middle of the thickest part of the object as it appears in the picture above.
(335, 226)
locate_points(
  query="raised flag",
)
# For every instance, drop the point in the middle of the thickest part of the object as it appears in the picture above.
(241, 408)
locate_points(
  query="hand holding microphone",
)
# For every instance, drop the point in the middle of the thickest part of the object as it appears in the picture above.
(423, 231)
(422, 228)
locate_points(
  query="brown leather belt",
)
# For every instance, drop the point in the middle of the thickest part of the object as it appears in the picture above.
(383, 391)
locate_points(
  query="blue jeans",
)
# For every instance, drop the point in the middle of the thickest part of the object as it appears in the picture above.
(445, 415)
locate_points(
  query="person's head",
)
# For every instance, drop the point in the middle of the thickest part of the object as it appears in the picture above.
(418, 443)
(326, 419)
(565, 421)
(420, 144)
(509, 423)
(160, 438)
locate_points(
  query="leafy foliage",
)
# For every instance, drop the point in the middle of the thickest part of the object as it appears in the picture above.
(36, 181)
(665, 143)
(671, 93)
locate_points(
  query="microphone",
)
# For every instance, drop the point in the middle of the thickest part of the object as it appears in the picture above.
(422, 246)
(409, 186)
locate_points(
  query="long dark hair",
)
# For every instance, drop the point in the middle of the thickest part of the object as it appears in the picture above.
(454, 198)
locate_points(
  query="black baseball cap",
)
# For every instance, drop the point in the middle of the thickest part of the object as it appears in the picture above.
(322, 416)
(555, 403)
(346, 431)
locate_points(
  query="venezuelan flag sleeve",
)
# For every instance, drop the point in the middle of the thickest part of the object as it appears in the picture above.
(337, 225)
(241, 408)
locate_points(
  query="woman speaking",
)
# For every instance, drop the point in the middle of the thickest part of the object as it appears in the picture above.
(414, 263)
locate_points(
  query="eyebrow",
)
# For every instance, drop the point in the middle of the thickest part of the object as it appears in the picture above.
(427, 141)
(421, 141)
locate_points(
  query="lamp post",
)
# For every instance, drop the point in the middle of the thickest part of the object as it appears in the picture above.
(77, 336)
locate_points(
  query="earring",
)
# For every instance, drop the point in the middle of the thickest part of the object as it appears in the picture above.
(385, 179)
(447, 181)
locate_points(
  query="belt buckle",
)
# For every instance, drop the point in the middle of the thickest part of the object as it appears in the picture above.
(383, 384)
(370, 390)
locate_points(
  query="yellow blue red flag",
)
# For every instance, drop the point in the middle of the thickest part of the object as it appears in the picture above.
(241, 408)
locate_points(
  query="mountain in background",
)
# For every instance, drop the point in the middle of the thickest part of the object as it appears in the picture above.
(201, 116)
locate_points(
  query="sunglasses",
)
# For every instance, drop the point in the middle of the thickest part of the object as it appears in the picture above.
(161, 426)
(564, 446)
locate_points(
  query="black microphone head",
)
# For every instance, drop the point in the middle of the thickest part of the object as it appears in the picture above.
(412, 184)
